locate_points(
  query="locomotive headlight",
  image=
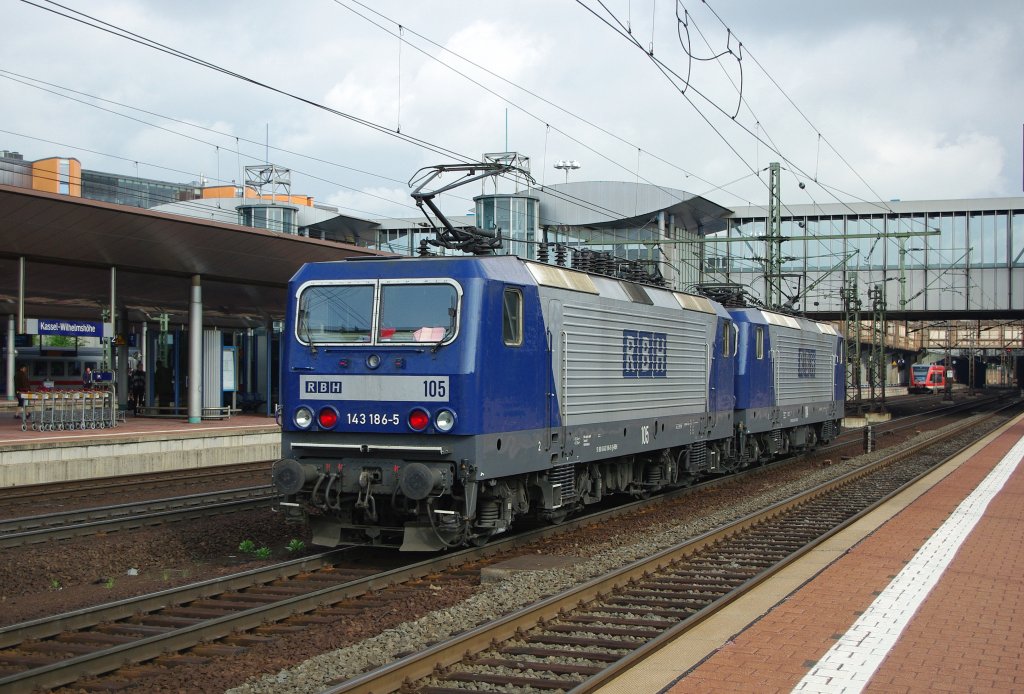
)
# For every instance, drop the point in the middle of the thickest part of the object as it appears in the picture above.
(373, 361)
(418, 419)
(444, 420)
(303, 417)
(327, 418)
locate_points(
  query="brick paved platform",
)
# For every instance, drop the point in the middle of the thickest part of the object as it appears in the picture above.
(901, 610)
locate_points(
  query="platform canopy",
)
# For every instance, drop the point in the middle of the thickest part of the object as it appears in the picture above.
(70, 245)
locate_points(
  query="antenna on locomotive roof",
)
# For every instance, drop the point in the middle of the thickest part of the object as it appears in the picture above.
(469, 239)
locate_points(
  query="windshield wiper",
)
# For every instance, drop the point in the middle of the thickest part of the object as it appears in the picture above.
(304, 331)
(448, 331)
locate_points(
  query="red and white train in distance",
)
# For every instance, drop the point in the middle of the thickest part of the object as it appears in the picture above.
(927, 378)
(58, 367)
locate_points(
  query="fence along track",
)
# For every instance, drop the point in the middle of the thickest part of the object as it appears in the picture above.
(582, 638)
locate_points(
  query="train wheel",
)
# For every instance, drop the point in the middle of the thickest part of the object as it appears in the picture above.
(479, 540)
(556, 517)
(685, 480)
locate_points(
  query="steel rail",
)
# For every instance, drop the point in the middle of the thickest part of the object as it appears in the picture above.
(69, 670)
(444, 654)
(99, 662)
(70, 524)
(29, 492)
(45, 627)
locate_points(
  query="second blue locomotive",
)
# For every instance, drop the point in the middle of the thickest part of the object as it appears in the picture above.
(430, 402)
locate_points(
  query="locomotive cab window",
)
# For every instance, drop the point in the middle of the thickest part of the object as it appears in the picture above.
(335, 313)
(387, 312)
(417, 312)
(759, 342)
(729, 339)
(512, 317)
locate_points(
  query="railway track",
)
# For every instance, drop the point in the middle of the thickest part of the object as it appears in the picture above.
(52, 652)
(580, 639)
(82, 491)
(15, 532)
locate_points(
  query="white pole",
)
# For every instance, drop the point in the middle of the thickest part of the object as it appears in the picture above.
(195, 353)
(10, 357)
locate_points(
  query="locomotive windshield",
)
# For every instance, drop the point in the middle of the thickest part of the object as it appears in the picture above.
(417, 312)
(336, 313)
(423, 311)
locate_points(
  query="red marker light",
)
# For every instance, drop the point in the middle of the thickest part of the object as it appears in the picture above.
(327, 418)
(418, 420)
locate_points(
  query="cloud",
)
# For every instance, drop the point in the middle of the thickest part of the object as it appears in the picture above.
(918, 98)
(904, 165)
(374, 202)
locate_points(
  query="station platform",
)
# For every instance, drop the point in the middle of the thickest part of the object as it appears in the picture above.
(922, 595)
(139, 445)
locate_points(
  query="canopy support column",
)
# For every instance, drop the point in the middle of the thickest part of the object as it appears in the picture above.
(10, 357)
(195, 352)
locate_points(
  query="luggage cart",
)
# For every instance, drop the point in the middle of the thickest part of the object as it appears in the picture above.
(108, 409)
(98, 399)
(90, 409)
(62, 408)
(75, 407)
(57, 406)
(28, 414)
(81, 419)
(43, 412)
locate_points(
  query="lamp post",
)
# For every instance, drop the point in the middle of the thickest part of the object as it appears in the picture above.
(567, 165)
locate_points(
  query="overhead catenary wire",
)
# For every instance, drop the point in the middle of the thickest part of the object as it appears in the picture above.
(668, 73)
(184, 203)
(231, 217)
(405, 29)
(152, 44)
(802, 114)
(249, 156)
(675, 79)
(672, 77)
(117, 31)
(120, 32)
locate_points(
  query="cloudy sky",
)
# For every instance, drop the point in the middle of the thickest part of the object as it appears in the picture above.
(867, 100)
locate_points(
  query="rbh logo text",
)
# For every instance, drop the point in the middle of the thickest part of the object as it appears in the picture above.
(644, 354)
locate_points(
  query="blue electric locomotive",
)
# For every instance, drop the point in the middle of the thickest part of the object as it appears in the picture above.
(429, 402)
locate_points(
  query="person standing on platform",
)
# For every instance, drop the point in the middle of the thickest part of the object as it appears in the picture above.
(87, 378)
(164, 384)
(138, 388)
(21, 386)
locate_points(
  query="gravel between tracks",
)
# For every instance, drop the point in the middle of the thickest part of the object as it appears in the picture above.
(599, 552)
(50, 578)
